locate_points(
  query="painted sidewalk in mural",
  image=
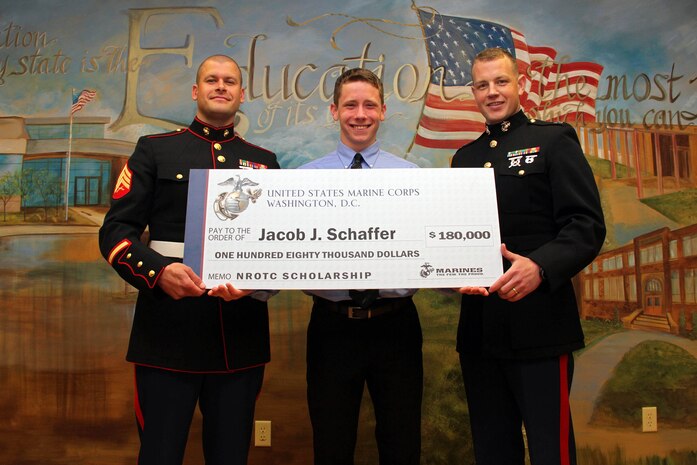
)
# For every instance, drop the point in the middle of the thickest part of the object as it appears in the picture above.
(595, 366)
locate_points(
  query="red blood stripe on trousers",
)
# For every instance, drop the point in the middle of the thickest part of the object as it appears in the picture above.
(564, 410)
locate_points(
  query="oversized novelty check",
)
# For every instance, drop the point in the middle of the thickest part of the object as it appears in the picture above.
(343, 229)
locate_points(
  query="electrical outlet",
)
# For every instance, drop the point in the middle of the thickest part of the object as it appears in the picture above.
(262, 433)
(649, 419)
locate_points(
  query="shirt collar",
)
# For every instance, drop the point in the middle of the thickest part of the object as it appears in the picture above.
(211, 133)
(346, 154)
(507, 125)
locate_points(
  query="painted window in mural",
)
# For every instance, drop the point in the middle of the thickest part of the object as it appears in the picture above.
(689, 245)
(46, 177)
(690, 285)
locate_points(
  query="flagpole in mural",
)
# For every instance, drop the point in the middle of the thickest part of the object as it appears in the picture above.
(78, 103)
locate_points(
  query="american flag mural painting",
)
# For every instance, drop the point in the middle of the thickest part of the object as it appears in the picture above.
(81, 99)
(555, 91)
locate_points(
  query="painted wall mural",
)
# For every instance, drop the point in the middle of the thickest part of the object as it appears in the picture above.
(80, 81)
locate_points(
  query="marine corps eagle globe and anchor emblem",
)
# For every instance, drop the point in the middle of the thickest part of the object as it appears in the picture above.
(426, 270)
(230, 205)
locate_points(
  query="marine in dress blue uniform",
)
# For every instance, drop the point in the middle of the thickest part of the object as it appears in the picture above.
(371, 340)
(515, 339)
(191, 345)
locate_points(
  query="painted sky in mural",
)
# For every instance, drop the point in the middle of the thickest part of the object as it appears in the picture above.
(647, 51)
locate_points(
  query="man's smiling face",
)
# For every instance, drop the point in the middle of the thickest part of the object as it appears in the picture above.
(359, 112)
(218, 91)
(497, 88)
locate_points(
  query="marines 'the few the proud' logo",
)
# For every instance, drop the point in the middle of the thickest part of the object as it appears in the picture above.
(229, 205)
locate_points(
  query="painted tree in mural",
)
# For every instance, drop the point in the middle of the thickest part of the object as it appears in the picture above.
(25, 188)
(44, 187)
(9, 188)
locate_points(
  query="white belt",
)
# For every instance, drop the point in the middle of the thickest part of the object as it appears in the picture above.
(168, 249)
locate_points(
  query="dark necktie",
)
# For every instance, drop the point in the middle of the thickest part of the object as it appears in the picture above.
(362, 298)
(357, 162)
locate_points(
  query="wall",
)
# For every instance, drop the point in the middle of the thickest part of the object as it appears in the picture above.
(623, 73)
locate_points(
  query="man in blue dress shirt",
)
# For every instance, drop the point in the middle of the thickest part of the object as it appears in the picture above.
(363, 337)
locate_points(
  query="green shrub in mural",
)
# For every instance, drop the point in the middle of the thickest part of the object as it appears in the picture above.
(653, 373)
(445, 425)
(617, 456)
(673, 205)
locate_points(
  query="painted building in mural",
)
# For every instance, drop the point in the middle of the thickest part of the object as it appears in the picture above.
(654, 159)
(649, 283)
(38, 147)
(649, 280)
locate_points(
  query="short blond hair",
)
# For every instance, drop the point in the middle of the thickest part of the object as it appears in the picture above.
(495, 53)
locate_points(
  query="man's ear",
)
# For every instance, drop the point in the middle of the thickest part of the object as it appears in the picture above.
(522, 80)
